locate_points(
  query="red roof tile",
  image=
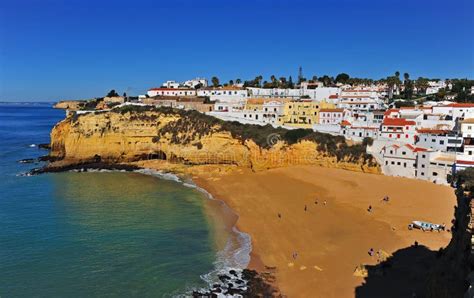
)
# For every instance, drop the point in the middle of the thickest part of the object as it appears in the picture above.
(415, 149)
(461, 105)
(171, 89)
(332, 110)
(389, 111)
(432, 131)
(345, 123)
(397, 122)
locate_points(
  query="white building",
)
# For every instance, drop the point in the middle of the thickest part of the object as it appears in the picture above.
(170, 84)
(455, 110)
(440, 140)
(224, 94)
(197, 82)
(171, 92)
(358, 131)
(317, 94)
(331, 116)
(360, 101)
(435, 86)
(399, 129)
(415, 162)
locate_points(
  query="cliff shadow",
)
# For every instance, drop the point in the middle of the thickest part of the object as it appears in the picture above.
(404, 274)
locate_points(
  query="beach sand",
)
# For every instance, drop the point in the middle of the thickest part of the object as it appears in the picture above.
(330, 239)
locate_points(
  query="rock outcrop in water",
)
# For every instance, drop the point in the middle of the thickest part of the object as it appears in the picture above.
(134, 133)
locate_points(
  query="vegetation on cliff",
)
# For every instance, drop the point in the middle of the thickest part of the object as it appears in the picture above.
(197, 125)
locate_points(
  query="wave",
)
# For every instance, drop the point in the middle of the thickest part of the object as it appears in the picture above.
(234, 258)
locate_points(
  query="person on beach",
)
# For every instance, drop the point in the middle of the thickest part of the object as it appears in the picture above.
(295, 255)
(371, 252)
(279, 215)
(305, 208)
(324, 203)
(370, 208)
(316, 202)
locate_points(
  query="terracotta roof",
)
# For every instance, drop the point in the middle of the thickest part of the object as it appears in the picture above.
(460, 105)
(415, 149)
(389, 111)
(468, 120)
(345, 123)
(466, 162)
(355, 96)
(171, 89)
(397, 122)
(333, 96)
(365, 127)
(332, 110)
(433, 131)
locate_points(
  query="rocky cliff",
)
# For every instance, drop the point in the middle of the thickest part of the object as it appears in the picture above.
(134, 133)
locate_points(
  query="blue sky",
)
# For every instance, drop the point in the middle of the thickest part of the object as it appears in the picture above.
(65, 49)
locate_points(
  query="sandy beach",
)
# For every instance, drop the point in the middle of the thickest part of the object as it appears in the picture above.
(316, 251)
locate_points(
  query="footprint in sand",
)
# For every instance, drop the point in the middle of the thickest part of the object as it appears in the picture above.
(318, 268)
(303, 268)
(291, 264)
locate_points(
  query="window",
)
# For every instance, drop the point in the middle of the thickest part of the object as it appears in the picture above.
(391, 151)
(422, 174)
(398, 163)
(393, 162)
(423, 166)
(435, 174)
(433, 140)
(423, 156)
(404, 153)
(386, 163)
(404, 164)
(441, 142)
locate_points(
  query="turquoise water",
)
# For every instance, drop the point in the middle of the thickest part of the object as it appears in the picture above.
(94, 234)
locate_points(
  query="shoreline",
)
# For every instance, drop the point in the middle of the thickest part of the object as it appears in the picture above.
(235, 272)
(322, 256)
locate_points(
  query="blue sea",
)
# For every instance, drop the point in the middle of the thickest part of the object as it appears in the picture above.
(102, 234)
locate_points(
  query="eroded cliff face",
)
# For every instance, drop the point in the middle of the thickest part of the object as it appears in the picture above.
(130, 136)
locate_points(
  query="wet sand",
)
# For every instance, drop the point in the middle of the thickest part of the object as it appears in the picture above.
(330, 239)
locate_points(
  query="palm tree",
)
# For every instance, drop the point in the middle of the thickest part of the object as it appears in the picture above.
(421, 84)
(238, 81)
(258, 80)
(283, 82)
(231, 82)
(215, 81)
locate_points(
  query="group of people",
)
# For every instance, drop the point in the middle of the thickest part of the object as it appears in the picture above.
(385, 199)
(305, 207)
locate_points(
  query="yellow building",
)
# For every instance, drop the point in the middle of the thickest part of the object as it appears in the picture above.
(303, 113)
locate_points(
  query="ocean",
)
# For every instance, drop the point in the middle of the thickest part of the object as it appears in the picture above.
(103, 234)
